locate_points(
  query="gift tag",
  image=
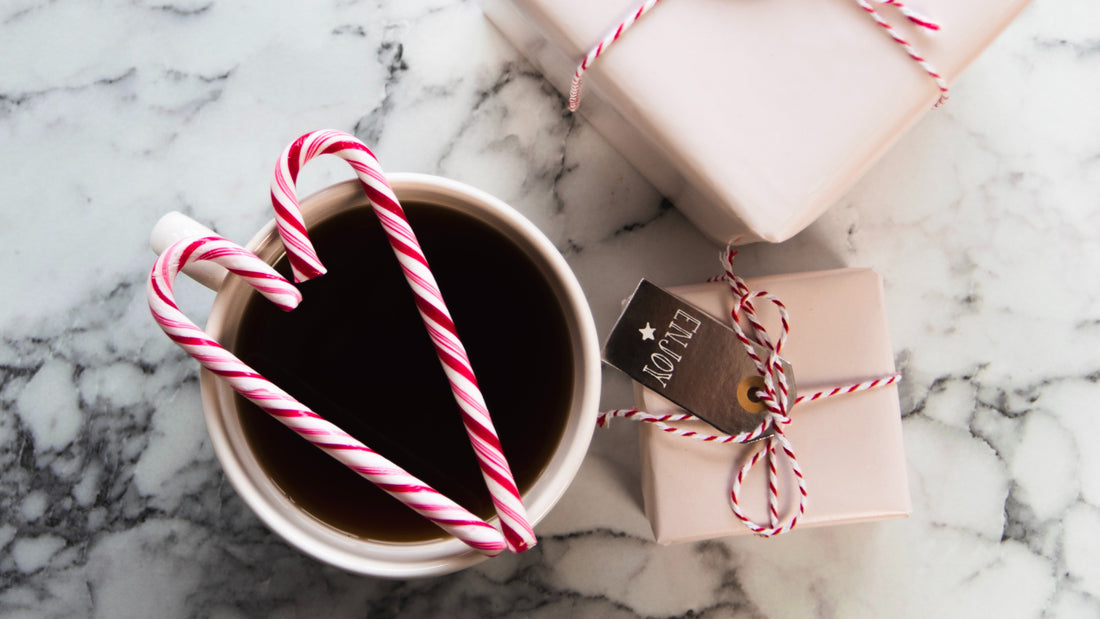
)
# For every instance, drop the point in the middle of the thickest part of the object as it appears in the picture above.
(684, 354)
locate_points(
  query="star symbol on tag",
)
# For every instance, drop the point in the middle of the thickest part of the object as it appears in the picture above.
(647, 332)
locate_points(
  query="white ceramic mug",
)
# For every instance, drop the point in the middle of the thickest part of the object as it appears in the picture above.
(274, 508)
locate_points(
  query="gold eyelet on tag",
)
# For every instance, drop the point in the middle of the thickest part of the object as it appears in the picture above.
(747, 394)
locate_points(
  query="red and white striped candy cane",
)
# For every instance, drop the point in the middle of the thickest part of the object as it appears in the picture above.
(429, 300)
(298, 417)
(601, 47)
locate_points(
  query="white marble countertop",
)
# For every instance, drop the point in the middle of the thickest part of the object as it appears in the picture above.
(983, 221)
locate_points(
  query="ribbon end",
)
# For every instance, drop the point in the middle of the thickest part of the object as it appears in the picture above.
(290, 301)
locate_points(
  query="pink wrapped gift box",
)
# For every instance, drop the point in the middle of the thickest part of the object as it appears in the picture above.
(753, 117)
(849, 446)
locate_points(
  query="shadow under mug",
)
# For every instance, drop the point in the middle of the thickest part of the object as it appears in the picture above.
(270, 503)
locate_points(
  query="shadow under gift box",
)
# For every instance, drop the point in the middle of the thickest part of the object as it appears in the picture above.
(849, 446)
(752, 116)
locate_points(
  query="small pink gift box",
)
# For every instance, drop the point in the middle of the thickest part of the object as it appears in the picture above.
(848, 446)
(753, 117)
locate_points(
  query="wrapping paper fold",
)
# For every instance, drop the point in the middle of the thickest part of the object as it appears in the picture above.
(752, 116)
(849, 446)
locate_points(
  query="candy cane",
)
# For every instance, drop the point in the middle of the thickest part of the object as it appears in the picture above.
(456, 365)
(298, 417)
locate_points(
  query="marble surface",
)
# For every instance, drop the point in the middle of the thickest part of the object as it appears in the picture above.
(983, 221)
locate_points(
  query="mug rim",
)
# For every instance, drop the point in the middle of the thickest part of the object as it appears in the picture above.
(432, 557)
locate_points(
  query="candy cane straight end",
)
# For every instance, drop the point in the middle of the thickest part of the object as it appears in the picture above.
(524, 545)
(490, 549)
(519, 535)
(303, 272)
(290, 304)
(515, 528)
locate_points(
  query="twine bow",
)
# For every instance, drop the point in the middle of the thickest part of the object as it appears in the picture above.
(775, 395)
(867, 6)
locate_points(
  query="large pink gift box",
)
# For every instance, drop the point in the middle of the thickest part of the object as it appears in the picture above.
(752, 116)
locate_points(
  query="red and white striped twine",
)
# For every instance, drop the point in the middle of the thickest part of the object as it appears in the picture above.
(910, 49)
(305, 264)
(775, 396)
(594, 53)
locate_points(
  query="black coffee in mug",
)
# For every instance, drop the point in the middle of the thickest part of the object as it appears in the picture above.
(357, 353)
